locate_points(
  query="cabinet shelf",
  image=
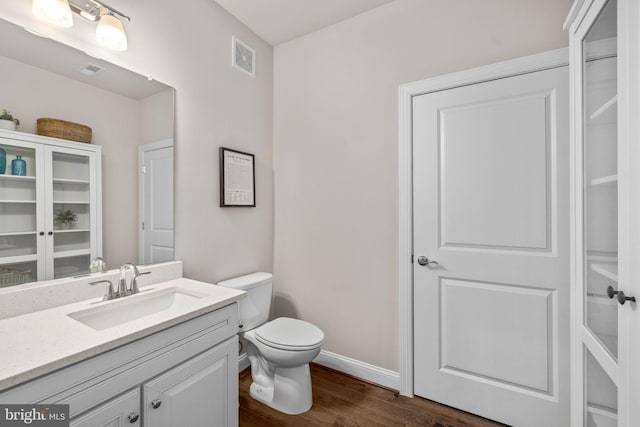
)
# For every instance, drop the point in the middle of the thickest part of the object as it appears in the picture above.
(610, 179)
(70, 181)
(18, 233)
(73, 230)
(69, 202)
(18, 259)
(600, 111)
(18, 201)
(17, 178)
(607, 269)
(70, 254)
(603, 411)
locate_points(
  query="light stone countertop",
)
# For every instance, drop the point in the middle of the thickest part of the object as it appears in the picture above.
(40, 342)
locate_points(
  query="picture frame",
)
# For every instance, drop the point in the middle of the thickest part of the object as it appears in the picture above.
(237, 178)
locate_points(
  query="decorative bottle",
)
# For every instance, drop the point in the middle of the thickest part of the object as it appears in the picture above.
(3, 161)
(18, 166)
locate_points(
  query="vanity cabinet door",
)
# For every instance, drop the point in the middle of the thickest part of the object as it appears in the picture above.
(121, 411)
(200, 392)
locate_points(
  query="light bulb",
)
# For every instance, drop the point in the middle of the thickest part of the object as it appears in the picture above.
(56, 12)
(110, 33)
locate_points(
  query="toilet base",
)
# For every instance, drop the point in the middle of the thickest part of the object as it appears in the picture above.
(290, 392)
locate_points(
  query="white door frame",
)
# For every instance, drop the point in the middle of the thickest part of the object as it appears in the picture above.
(142, 149)
(527, 64)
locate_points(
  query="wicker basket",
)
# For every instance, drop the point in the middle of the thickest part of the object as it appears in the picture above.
(65, 130)
(11, 277)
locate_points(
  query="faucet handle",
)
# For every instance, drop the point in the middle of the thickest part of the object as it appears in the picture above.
(134, 282)
(109, 293)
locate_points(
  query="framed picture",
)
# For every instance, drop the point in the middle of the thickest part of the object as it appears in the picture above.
(237, 179)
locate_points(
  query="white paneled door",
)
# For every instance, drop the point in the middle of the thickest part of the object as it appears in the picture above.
(491, 245)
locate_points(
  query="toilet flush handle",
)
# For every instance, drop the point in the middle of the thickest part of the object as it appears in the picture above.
(423, 260)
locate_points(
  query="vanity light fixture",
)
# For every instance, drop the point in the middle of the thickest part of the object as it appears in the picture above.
(109, 32)
(55, 12)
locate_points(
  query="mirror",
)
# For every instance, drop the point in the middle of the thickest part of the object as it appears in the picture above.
(132, 119)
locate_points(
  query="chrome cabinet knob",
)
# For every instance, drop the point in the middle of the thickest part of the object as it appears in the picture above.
(423, 260)
(155, 404)
(133, 417)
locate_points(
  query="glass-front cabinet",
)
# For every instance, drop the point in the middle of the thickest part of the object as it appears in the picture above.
(49, 208)
(599, 207)
(602, 194)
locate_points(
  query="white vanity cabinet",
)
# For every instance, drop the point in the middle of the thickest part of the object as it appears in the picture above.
(60, 176)
(186, 375)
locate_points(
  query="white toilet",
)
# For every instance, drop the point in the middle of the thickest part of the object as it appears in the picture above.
(279, 351)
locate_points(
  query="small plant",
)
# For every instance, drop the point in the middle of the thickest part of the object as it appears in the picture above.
(8, 116)
(66, 218)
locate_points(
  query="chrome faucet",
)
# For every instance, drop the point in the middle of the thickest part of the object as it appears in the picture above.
(133, 287)
(123, 289)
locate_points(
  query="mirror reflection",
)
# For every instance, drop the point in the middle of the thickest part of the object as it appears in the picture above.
(131, 118)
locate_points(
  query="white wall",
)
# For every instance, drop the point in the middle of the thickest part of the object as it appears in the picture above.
(189, 48)
(31, 93)
(156, 117)
(335, 151)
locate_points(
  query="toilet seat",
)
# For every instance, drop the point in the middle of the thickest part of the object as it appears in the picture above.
(290, 334)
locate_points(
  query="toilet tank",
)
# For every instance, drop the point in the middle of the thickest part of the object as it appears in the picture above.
(254, 307)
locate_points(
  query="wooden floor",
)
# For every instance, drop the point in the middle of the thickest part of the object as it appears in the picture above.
(342, 400)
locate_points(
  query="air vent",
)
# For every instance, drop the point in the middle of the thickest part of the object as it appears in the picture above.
(91, 70)
(243, 57)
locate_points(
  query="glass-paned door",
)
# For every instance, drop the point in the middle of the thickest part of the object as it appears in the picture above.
(71, 211)
(21, 215)
(599, 330)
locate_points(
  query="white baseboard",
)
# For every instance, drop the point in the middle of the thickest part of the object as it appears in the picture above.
(366, 371)
(243, 362)
(344, 364)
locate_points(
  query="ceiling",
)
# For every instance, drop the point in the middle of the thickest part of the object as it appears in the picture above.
(57, 58)
(278, 21)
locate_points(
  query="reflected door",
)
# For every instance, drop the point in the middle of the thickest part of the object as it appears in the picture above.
(156, 202)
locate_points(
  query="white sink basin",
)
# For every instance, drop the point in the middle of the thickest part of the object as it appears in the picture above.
(119, 311)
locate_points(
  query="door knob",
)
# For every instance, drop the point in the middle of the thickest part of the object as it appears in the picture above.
(620, 296)
(423, 260)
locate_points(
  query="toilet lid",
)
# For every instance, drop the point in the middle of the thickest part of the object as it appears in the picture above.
(293, 334)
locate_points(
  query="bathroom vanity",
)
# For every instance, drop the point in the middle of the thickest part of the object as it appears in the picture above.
(164, 357)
